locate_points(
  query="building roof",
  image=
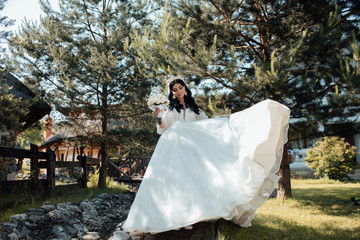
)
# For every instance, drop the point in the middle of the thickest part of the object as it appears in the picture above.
(38, 108)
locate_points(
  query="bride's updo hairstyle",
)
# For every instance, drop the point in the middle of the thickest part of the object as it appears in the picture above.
(189, 100)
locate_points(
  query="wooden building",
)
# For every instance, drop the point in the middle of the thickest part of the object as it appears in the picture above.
(37, 110)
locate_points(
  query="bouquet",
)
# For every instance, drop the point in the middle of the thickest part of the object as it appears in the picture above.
(158, 101)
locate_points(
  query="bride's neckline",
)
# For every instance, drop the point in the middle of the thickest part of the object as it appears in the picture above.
(184, 108)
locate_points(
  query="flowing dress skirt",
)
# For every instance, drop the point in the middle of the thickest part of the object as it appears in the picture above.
(211, 169)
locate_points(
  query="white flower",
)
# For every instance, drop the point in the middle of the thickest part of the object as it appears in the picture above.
(157, 100)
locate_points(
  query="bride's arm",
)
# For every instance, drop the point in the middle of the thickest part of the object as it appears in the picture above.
(165, 122)
(201, 115)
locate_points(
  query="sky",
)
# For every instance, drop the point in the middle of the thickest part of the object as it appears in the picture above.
(21, 9)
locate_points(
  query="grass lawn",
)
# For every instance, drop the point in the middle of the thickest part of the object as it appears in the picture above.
(319, 209)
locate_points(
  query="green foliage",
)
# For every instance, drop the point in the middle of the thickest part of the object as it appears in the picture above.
(283, 50)
(287, 51)
(32, 135)
(12, 109)
(214, 105)
(4, 34)
(332, 157)
(93, 180)
(10, 112)
(79, 58)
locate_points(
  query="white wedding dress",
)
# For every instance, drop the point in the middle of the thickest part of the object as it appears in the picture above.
(211, 169)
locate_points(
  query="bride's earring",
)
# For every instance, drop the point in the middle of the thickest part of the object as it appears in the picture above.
(185, 94)
(173, 97)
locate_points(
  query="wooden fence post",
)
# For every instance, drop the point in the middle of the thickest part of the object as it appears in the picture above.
(34, 169)
(84, 167)
(130, 163)
(50, 172)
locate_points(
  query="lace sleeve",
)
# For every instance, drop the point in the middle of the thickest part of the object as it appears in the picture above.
(166, 121)
(201, 115)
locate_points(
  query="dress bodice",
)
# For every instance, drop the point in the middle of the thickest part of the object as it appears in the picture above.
(171, 116)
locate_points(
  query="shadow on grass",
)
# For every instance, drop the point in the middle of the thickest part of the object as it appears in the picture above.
(334, 201)
(274, 228)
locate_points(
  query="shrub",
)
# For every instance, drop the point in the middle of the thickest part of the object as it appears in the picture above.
(93, 180)
(332, 158)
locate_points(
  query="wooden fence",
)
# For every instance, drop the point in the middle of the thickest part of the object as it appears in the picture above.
(126, 169)
(40, 160)
(131, 168)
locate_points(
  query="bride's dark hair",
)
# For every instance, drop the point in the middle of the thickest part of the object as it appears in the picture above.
(189, 100)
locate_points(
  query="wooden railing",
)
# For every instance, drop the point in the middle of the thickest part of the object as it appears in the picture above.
(130, 168)
(40, 160)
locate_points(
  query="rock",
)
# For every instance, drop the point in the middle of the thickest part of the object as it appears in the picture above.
(18, 234)
(111, 216)
(89, 210)
(31, 225)
(13, 236)
(91, 219)
(107, 228)
(3, 235)
(105, 196)
(120, 235)
(56, 216)
(48, 207)
(34, 211)
(75, 209)
(80, 228)
(8, 227)
(60, 232)
(35, 218)
(25, 231)
(18, 217)
(91, 236)
(72, 231)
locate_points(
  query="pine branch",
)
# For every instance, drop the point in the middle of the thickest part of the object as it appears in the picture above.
(218, 80)
(246, 38)
(88, 21)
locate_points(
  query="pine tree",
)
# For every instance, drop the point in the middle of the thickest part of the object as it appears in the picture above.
(79, 57)
(11, 108)
(287, 51)
(4, 34)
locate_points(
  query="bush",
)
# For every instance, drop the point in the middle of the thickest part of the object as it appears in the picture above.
(93, 180)
(332, 158)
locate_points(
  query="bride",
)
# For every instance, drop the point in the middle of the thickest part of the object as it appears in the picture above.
(205, 169)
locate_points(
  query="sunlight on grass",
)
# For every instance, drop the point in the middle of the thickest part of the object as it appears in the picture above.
(315, 181)
(316, 211)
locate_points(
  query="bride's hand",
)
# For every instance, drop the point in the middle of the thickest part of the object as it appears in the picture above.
(158, 114)
(157, 111)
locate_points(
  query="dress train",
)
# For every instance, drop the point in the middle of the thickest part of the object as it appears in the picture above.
(211, 169)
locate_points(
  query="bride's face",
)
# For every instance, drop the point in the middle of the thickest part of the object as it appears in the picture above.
(179, 91)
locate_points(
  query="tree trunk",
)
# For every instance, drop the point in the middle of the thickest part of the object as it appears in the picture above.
(104, 165)
(34, 168)
(103, 144)
(284, 186)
